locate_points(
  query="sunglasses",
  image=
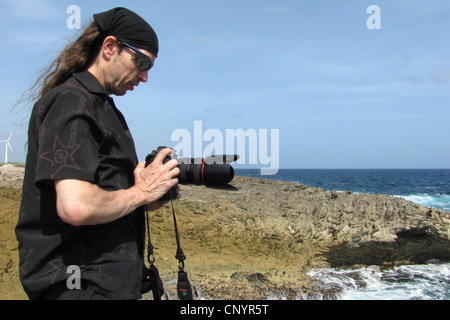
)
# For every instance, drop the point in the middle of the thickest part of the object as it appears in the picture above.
(141, 60)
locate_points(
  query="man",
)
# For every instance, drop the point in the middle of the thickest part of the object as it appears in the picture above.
(84, 191)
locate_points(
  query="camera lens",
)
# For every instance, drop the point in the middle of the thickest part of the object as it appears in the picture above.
(213, 170)
(217, 173)
(198, 171)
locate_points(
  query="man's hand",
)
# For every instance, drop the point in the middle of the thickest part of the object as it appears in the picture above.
(156, 179)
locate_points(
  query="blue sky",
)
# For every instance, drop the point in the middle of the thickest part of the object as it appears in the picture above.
(340, 94)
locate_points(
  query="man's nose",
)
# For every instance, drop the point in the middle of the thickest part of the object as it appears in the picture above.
(143, 76)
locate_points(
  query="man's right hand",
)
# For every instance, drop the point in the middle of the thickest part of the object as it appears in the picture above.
(157, 178)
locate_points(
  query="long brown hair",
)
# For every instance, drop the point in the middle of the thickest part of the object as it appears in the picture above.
(76, 57)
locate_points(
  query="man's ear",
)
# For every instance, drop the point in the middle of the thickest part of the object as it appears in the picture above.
(109, 47)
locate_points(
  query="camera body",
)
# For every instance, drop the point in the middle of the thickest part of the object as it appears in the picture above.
(210, 171)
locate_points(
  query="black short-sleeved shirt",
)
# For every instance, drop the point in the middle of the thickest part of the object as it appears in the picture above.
(76, 132)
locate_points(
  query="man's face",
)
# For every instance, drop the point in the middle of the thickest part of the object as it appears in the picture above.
(123, 74)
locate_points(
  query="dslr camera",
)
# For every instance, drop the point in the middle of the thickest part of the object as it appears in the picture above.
(214, 171)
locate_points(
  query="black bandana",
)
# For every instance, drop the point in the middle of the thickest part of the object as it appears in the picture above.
(128, 27)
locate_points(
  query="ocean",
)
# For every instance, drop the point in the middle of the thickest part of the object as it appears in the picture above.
(428, 187)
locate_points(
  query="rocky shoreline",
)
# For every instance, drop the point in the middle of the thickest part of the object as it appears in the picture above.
(11, 176)
(258, 239)
(262, 238)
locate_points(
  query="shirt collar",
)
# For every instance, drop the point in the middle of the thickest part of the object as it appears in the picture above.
(90, 82)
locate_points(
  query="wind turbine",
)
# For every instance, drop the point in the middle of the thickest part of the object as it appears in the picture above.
(6, 147)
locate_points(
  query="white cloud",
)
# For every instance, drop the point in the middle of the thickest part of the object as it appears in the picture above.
(32, 9)
(441, 76)
(411, 79)
(276, 10)
(202, 40)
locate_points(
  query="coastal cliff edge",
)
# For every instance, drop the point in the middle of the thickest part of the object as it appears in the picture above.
(259, 238)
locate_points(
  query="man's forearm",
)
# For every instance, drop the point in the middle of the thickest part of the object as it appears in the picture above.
(83, 203)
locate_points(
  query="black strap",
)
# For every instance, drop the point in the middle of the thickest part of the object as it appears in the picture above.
(150, 255)
(184, 288)
(180, 254)
(151, 279)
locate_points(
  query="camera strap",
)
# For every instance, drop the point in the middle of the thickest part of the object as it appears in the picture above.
(152, 280)
(184, 288)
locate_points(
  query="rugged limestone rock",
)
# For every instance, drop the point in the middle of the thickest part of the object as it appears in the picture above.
(11, 176)
(281, 230)
(260, 238)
